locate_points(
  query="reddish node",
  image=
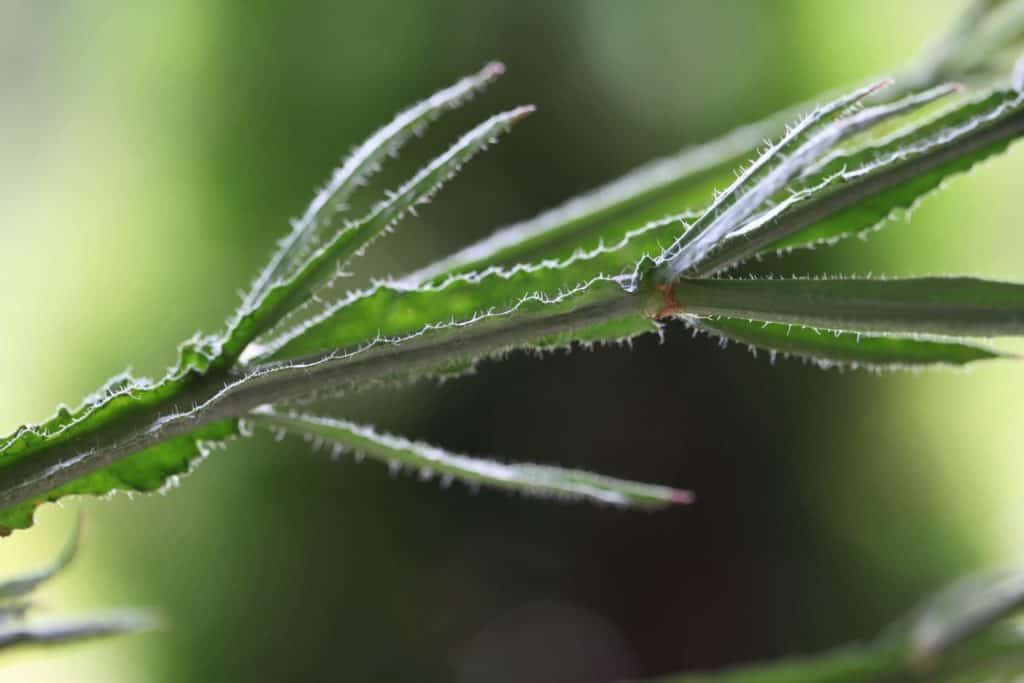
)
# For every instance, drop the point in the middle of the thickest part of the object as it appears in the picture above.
(681, 497)
(670, 306)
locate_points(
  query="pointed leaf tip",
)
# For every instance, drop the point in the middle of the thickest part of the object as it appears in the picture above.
(295, 296)
(881, 84)
(493, 70)
(319, 222)
(522, 112)
(681, 497)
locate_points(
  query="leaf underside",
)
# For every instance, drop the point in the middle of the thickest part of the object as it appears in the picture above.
(120, 408)
(430, 461)
(829, 348)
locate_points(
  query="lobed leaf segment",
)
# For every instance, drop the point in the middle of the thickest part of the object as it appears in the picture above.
(16, 603)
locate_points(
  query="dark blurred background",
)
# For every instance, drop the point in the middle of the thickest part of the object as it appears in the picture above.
(152, 153)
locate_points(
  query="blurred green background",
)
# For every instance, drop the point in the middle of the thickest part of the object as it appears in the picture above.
(150, 155)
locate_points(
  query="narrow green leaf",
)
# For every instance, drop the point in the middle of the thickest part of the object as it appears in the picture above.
(124, 466)
(775, 170)
(604, 216)
(962, 611)
(151, 432)
(330, 259)
(657, 192)
(662, 190)
(858, 192)
(854, 664)
(535, 319)
(675, 185)
(994, 29)
(115, 441)
(21, 586)
(828, 348)
(119, 439)
(945, 306)
(994, 654)
(56, 633)
(954, 306)
(430, 461)
(670, 187)
(773, 167)
(316, 227)
(393, 310)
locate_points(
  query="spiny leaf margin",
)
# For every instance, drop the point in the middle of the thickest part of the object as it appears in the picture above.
(525, 478)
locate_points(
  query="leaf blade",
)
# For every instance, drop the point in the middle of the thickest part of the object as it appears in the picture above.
(963, 610)
(392, 310)
(113, 441)
(953, 306)
(776, 169)
(62, 632)
(851, 664)
(313, 227)
(667, 187)
(858, 192)
(530, 479)
(676, 184)
(828, 348)
(285, 298)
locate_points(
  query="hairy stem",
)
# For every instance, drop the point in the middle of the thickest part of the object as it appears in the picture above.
(229, 395)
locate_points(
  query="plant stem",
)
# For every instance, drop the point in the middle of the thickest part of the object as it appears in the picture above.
(232, 395)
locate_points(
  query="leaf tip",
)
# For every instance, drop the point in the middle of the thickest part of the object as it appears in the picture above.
(681, 497)
(522, 112)
(492, 70)
(880, 85)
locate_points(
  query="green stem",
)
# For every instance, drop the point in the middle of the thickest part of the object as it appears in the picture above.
(231, 395)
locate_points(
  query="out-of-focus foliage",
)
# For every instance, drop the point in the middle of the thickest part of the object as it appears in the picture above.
(964, 633)
(17, 601)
